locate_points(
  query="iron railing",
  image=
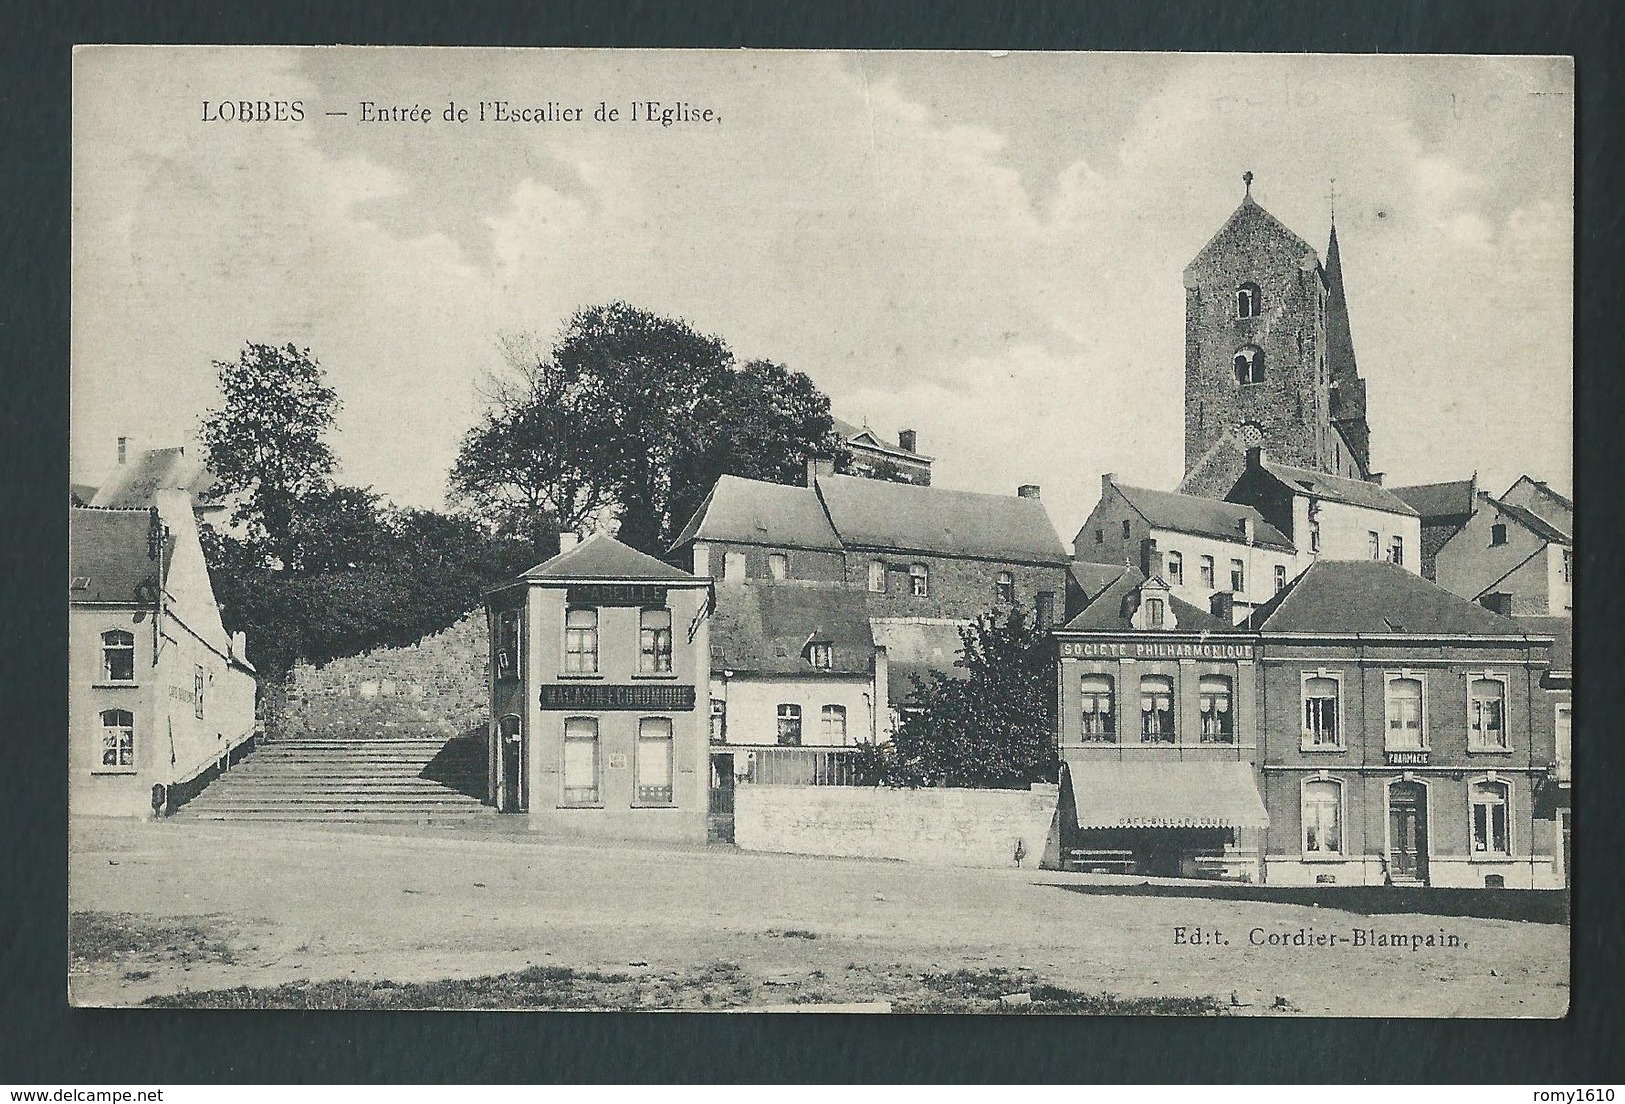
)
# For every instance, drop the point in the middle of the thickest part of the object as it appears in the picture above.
(801, 766)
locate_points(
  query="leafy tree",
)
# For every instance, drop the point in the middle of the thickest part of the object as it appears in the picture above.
(992, 729)
(632, 415)
(264, 443)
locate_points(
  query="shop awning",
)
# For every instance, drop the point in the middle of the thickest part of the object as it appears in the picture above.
(1164, 794)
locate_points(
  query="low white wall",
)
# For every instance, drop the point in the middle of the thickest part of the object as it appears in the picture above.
(940, 826)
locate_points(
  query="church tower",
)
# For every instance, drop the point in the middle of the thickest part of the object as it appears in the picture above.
(1269, 358)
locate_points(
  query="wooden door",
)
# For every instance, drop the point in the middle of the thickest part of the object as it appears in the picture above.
(1407, 832)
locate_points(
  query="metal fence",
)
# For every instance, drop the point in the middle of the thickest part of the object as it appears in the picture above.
(802, 766)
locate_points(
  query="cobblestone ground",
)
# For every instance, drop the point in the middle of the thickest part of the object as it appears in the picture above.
(167, 908)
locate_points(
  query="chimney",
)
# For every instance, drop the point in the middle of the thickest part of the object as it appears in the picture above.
(818, 468)
(1027, 490)
(1223, 606)
(568, 541)
(1106, 482)
(907, 439)
(1150, 558)
(123, 449)
(1247, 528)
(1376, 477)
(1255, 458)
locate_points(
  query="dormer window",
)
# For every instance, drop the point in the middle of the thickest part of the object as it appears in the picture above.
(821, 654)
(1249, 365)
(1247, 301)
(1155, 612)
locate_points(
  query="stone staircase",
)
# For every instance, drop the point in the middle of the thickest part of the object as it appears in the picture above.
(420, 780)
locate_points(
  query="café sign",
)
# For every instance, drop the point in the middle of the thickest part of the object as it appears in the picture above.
(664, 698)
(1155, 649)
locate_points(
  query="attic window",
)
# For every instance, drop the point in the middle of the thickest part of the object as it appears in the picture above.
(821, 654)
(1498, 534)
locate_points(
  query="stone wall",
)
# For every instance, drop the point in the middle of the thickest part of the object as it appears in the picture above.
(436, 687)
(938, 826)
(962, 589)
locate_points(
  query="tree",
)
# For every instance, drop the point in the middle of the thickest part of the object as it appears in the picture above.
(994, 728)
(630, 415)
(264, 444)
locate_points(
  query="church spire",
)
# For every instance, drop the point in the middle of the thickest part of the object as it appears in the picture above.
(1348, 390)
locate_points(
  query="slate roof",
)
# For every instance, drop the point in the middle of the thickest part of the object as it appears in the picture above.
(750, 511)
(1536, 524)
(1108, 611)
(1251, 208)
(1355, 492)
(1561, 630)
(1375, 597)
(764, 628)
(601, 556)
(1092, 578)
(876, 513)
(134, 483)
(1437, 500)
(107, 549)
(1204, 517)
(917, 649)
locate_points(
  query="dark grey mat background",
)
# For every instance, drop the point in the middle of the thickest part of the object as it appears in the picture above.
(44, 1042)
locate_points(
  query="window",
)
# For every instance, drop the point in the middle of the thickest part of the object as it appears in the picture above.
(1238, 577)
(1004, 588)
(1154, 609)
(719, 721)
(1099, 712)
(778, 565)
(1100, 536)
(833, 724)
(1486, 714)
(1128, 530)
(1373, 544)
(1563, 726)
(1320, 713)
(1156, 709)
(822, 654)
(1280, 578)
(581, 642)
(1396, 551)
(580, 761)
(877, 577)
(789, 725)
(1490, 819)
(733, 566)
(118, 656)
(654, 641)
(1314, 536)
(1218, 714)
(1568, 565)
(1247, 301)
(919, 580)
(1176, 569)
(1405, 729)
(1249, 365)
(507, 649)
(652, 771)
(197, 691)
(1205, 572)
(118, 739)
(1322, 817)
(1498, 534)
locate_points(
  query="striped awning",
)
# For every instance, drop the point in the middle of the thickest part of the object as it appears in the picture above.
(1164, 794)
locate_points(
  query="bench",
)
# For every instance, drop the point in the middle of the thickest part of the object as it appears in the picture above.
(1101, 861)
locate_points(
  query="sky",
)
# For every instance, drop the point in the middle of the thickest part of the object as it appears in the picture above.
(984, 248)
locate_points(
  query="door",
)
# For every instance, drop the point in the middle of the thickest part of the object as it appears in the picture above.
(719, 821)
(512, 766)
(1407, 833)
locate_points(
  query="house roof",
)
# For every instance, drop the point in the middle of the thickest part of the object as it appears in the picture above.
(917, 649)
(1530, 520)
(1561, 630)
(1546, 492)
(1375, 597)
(749, 511)
(1109, 610)
(134, 483)
(1250, 209)
(876, 513)
(1437, 500)
(107, 557)
(601, 556)
(1337, 488)
(1206, 517)
(1092, 578)
(765, 628)
(80, 494)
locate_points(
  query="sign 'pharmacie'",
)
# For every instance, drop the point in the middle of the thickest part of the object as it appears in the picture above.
(1155, 649)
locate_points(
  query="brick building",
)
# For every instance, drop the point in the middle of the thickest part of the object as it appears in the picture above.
(1407, 738)
(877, 457)
(1269, 356)
(1445, 508)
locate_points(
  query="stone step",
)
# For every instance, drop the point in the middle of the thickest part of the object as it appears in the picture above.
(339, 816)
(427, 790)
